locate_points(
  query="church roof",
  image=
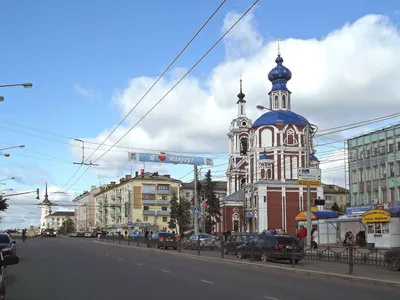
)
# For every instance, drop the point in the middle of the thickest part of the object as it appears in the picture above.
(279, 75)
(284, 117)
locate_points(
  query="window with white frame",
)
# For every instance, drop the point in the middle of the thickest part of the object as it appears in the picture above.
(378, 228)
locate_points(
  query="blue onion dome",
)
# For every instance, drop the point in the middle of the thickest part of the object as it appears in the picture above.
(265, 156)
(279, 75)
(313, 158)
(282, 117)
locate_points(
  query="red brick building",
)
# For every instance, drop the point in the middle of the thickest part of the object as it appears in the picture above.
(264, 158)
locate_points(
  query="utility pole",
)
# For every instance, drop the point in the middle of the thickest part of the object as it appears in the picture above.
(196, 202)
(309, 227)
(129, 207)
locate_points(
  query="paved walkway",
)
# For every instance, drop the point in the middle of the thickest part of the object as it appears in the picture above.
(373, 272)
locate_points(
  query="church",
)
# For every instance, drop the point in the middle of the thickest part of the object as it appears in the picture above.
(264, 157)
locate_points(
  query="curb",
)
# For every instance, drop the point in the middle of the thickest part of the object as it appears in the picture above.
(394, 284)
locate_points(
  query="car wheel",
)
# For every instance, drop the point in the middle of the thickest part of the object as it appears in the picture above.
(394, 263)
(240, 255)
(265, 257)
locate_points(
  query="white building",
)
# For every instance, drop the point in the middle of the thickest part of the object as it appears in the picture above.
(86, 210)
(46, 210)
(56, 219)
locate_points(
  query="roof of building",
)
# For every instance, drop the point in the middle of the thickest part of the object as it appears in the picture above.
(62, 214)
(280, 117)
(334, 189)
(279, 75)
(220, 185)
(235, 197)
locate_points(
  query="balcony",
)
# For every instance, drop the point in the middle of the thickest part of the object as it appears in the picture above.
(163, 192)
(163, 213)
(148, 212)
(149, 202)
(163, 202)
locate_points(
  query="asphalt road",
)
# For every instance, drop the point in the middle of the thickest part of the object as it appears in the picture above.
(75, 269)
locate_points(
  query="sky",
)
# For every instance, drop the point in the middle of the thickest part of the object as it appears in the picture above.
(91, 61)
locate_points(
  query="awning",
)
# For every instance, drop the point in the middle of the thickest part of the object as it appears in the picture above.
(321, 214)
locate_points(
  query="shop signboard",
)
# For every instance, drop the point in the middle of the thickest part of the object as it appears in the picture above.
(170, 159)
(375, 216)
(358, 210)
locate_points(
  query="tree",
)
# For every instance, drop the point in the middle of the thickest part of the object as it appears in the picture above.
(3, 203)
(67, 226)
(335, 207)
(212, 206)
(180, 213)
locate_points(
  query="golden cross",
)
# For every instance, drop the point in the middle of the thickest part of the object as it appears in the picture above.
(279, 47)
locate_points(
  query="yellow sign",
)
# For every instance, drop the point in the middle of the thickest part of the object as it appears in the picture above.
(375, 216)
(306, 182)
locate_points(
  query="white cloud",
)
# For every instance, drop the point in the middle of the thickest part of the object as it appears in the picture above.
(24, 210)
(86, 92)
(350, 75)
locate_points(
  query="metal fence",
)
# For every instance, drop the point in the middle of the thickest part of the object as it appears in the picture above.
(216, 249)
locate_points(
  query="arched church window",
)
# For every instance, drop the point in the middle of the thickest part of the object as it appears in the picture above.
(290, 139)
(269, 173)
(244, 145)
(284, 101)
(262, 173)
(276, 102)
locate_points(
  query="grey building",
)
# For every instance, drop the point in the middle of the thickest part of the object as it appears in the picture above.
(374, 167)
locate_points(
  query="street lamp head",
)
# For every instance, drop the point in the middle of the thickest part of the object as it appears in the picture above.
(1, 98)
(261, 107)
(22, 146)
(7, 155)
(12, 177)
(27, 85)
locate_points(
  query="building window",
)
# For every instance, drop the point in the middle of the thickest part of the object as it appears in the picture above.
(288, 168)
(290, 140)
(266, 138)
(187, 194)
(244, 145)
(165, 219)
(241, 109)
(276, 102)
(284, 101)
(294, 167)
(145, 219)
(262, 173)
(148, 188)
(145, 208)
(163, 189)
(236, 225)
(164, 208)
(391, 169)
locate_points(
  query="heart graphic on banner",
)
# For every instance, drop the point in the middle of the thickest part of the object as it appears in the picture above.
(162, 157)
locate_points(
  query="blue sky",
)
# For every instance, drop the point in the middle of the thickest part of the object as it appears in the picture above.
(79, 54)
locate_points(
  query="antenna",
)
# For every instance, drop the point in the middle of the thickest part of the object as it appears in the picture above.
(83, 163)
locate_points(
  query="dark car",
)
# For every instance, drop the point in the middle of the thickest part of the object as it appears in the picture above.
(163, 240)
(7, 245)
(392, 258)
(49, 233)
(234, 241)
(5, 261)
(206, 241)
(269, 247)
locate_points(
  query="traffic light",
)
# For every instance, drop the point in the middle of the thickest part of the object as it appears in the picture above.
(37, 194)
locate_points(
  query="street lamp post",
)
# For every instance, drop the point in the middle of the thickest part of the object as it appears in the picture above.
(25, 85)
(7, 178)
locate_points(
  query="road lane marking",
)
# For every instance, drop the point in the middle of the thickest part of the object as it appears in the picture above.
(121, 259)
(165, 271)
(270, 298)
(139, 264)
(206, 281)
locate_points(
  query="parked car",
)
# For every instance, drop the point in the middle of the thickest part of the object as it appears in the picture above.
(49, 232)
(5, 261)
(206, 241)
(7, 245)
(163, 240)
(235, 240)
(269, 247)
(392, 258)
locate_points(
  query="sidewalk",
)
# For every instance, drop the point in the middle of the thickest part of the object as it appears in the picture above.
(371, 272)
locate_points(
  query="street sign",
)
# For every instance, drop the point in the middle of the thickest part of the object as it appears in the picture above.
(130, 224)
(155, 217)
(171, 159)
(309, 176)
(196, 210)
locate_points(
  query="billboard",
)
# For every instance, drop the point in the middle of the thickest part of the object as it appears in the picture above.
(170, 159)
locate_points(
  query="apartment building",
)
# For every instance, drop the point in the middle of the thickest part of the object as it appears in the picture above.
(335, 194)
(138, 202)
(374, 167)
(85, 210)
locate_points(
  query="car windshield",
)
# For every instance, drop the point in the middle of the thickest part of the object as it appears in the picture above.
(4, 239)
(166, 234)
(286, 240)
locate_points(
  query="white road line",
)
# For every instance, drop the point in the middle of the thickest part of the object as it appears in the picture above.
(206, 281)
(139, 264)
(165, 271)
(270, 298)
(121, 259)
